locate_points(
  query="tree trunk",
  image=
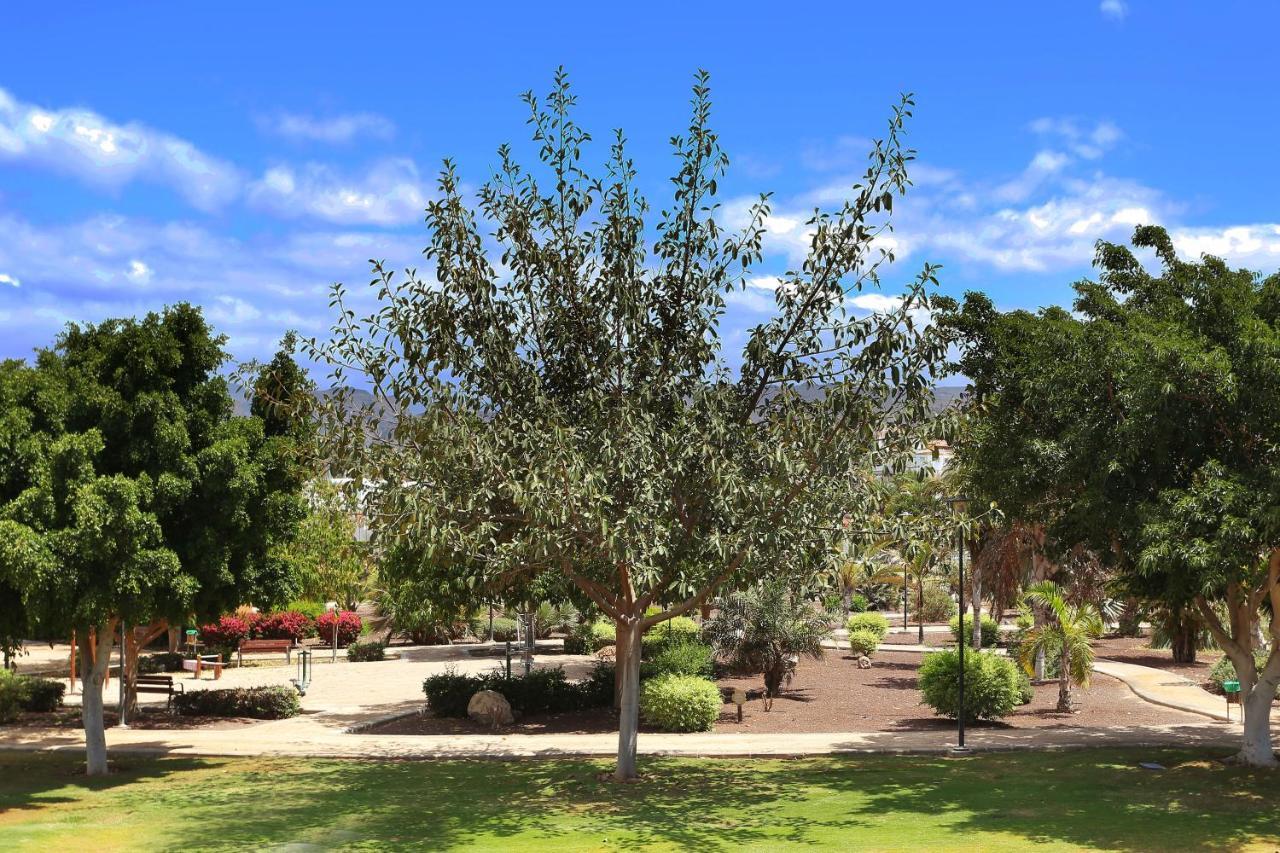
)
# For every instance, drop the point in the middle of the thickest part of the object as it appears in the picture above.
(846, 601)
(977, 623)
(920, 608)
(1257, 691)
(94, 662)
(621, 650)
(1064, 680)
(1182, 637)
(628, 669)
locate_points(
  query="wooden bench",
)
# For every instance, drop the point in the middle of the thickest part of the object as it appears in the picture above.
(285, 646)
(160, 684)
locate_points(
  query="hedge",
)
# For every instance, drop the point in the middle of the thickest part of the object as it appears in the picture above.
(259, 703)
(680, 703)
(364, 652)
(682, 657)
(541, 691)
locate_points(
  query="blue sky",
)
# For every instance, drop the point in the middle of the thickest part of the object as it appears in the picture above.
(244, 158)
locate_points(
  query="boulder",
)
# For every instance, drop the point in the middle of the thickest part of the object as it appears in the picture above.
(490, 708)
(864, 662)
(608, 653)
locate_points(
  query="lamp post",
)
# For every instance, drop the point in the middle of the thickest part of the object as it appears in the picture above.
(959, 505)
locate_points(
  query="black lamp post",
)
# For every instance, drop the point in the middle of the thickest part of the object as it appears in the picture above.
(959, 504)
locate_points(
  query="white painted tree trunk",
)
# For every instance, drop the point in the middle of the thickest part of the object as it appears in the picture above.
(93, 666)
(1257, 690)
(977, 621)
(628, 663)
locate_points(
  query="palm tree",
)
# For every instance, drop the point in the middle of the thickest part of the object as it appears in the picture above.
(767, 630)
(862, 564)
(1072, 628)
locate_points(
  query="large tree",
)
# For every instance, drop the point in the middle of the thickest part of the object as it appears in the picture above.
(559, 398)
(147, 501)
(1144, 427)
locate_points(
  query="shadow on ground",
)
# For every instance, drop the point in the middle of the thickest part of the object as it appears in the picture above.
(1084, 798)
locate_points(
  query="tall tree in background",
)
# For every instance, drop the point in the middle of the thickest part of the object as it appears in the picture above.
(148, 501)
(564, 403)
(1145, 429)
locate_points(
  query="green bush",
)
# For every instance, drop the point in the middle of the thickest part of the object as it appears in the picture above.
(259, 703)
(160, 662)
(858, 603)
(1052, 657)
(541, 691)
(680, 703)
(1025, 692)
(364, 652)
(873, 622)
(1225, 670)
(307, 607)
(579, 640)
(939, 606)
(680, 657)
(41, 694)
(991, 684)
(677, 629)
(12, 692)
(603, 634)
(863, 642)
(504, 629)
(988, 627)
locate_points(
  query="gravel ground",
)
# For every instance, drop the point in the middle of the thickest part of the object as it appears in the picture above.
(833, 695)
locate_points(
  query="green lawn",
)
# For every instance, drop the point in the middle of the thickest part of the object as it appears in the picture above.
(1068, 800)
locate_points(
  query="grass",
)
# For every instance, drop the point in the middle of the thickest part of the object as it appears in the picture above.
(1064, 800)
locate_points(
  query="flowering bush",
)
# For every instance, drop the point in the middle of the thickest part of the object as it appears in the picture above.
(348, 626)
(224, 634)
(285, 625)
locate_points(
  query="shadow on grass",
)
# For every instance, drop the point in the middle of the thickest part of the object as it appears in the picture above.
(1082, 798)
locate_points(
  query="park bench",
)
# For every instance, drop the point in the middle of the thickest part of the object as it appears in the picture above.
(285, 646)
(160, 684)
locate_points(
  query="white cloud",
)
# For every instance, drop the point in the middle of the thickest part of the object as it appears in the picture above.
(139, 272)
(1114, 9)
(82, 143)
(5, 278)
(1253, 246)
(391, 192)
(332, 129)
(252, 289)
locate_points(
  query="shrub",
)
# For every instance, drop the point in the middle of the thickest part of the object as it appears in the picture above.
(988, 628)
(11, 695)
(1225, 670)
(308, 607)
(578, 641)
(680, 657)
(160, 662)
(449, 692)
(680, 703)
(832, 603)
(1025, 693)
(226, 633)
(504, 628)
(41, 694)
(939, 606)
(863, 642)
(858, 603)
(873, 622)
(285, 625)
(603, 634)
(347, 622)
(541, 691)
(364, 652)
(259, 703)
(677, 629)
(991, 684)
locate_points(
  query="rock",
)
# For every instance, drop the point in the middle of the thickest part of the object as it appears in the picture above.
(864, 662)
(607, 653)
(490, 708)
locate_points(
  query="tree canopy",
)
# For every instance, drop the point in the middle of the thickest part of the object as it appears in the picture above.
(144, 499)
(559, 397)
(1144, 426)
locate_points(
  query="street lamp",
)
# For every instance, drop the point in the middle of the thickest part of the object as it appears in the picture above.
(959, 505)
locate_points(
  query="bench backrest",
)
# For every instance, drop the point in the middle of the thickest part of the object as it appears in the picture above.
(265, 645)
(154, 681)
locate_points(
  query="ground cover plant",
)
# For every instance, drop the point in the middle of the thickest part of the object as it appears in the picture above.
(1011, 802)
